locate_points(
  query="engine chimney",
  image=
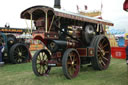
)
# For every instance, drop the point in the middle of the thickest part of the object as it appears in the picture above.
(57, 4)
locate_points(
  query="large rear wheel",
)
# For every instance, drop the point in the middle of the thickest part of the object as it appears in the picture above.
(102, 56)
(40, 62)
(71, 63)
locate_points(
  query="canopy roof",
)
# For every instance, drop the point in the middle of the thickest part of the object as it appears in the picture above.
(37, 11)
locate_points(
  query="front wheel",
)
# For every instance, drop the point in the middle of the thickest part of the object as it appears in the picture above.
(71, 63)
(40, 62)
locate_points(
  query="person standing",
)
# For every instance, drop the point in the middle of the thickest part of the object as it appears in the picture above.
(126, 54)
(1, 50)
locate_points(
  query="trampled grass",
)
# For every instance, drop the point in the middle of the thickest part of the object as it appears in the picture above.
(22, 74)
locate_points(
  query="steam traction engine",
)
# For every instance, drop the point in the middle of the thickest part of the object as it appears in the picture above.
(71, 40)
(15, 50)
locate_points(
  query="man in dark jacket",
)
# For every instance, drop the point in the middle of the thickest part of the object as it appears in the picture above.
(127, 54)
(1, 49)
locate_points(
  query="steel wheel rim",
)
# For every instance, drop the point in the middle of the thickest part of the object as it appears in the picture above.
(42, 63)
(73, 64)
(20, 54)
(103, 53)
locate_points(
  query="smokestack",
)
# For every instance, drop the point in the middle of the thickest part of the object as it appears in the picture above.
(57, 4)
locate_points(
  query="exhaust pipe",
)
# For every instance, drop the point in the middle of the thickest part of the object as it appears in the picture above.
(57, 4)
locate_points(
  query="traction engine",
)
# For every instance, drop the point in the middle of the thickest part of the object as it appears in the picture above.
(71, 40)
(15, 49)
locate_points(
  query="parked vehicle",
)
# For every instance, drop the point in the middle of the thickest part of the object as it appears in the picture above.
(15, 49)
(71, 40)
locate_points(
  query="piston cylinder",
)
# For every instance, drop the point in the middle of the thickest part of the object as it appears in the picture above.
(55, 45)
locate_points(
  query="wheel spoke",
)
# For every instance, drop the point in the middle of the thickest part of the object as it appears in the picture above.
(23, 51)
(74, 58)
(73, 54)
(100, 52)
(99, 48)
(19, 60)
(70, 70)
(16, 56)
(69, 62)
(103, 42)
(99, 55)
(40, 56)
(75, 64)
(107, 51)
(70, 58)
(38, 61)
(16, 52)
(105, 58)
(43, 55)
(74, 70)
(46, 67)
(38, 66)
(102, 62)
(38, 69)
(42, 69)
(18, 49)
(22, 57)
(105, 45)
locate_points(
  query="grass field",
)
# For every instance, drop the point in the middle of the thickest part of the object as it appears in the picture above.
(22, 74)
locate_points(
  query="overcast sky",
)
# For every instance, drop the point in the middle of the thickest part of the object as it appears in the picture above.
(112, 10)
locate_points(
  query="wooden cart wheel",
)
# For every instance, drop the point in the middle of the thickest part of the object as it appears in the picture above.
(71, 63)
(40, 62)
(102, 56)
(18, 53)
